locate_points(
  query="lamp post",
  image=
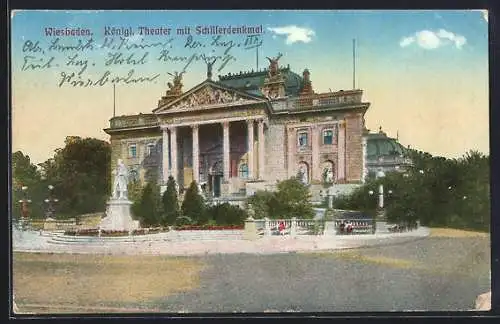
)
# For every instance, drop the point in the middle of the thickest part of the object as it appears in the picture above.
(50, 203)
(24, 207)
(329, 194)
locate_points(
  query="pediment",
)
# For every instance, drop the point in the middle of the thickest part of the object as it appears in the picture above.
(208, 96)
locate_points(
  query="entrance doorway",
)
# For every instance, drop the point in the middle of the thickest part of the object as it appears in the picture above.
(215, 179)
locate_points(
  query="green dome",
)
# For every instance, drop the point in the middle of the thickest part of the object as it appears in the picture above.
(378, 146)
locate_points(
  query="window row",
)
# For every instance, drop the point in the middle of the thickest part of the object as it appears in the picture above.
(150, 150)
(303, 138)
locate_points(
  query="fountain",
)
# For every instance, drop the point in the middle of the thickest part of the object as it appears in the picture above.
(118, 217)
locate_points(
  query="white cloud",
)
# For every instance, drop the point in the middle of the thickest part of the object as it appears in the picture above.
(293, 33)
(433, 39)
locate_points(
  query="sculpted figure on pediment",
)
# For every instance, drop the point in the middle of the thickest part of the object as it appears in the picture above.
(176, 87)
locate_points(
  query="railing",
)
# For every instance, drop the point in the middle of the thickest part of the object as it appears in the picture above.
(338, 98)
(134, 121)
(358, 226)
(293, 227)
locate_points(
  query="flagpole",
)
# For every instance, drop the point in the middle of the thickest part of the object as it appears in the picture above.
(257, 57)
(354, 63)
(114, 99)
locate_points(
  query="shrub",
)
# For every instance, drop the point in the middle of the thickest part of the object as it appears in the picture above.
(170, 202)
(227, 214)
(193, 205)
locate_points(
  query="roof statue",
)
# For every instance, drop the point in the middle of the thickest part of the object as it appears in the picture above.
(273, 65)
(209, 67)
(177, 86)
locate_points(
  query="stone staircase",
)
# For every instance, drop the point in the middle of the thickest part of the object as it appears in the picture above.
(173, 236)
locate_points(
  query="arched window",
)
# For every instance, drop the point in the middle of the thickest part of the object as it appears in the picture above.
(243, 171)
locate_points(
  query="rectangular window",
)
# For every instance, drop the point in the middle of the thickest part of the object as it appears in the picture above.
(132, 151)
(302, 139)
(328, 137)
(151, 149)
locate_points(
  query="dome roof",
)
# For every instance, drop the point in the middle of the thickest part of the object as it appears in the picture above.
(381, 145)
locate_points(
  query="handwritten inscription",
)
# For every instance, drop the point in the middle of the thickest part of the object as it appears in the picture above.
(124, 55)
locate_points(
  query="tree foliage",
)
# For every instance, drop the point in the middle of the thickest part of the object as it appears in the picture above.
(193, 205)
(170, 202)
(149, 209)
(291, 199)
(80, 174)
(437, 191)
(25, 173)
(226, 214)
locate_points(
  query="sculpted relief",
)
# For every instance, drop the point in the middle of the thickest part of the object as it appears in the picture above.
(207, 96)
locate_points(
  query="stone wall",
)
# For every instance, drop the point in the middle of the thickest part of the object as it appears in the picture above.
(354, 147)
(275, 152)
(119, 150)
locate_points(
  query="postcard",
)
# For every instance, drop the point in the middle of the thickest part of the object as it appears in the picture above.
(263, 161)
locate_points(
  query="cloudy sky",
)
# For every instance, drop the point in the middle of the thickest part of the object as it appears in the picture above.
(424, 72)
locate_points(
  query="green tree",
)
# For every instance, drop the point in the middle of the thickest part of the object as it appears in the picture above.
(80, 173)
(149, 209)
(25, 173)
(193, 205)
(291, 199)
(227, 214)
(260, 202)
(170, 203)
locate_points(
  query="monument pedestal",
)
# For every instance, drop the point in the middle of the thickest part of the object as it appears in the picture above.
(118, 216)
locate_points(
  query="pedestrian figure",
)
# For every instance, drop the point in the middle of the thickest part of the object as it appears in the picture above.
(281, 228)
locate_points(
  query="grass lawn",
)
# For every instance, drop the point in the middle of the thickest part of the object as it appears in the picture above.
(450, 232)
(45, 283)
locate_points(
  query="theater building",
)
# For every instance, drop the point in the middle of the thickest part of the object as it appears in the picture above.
(245, 132)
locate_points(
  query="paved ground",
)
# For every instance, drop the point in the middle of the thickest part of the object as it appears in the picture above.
(433, 274)
(411, 272)
(167, 244)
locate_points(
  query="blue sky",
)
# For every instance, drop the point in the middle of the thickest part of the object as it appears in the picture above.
(425, 73)
(378, 33)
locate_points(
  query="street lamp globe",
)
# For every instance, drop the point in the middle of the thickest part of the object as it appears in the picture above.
(29, 200)
(21, 201)
(50, 187)
(56, 200)
(46, 200)
(24, 188)
(370, 192)
(421, 171)
(389, 192)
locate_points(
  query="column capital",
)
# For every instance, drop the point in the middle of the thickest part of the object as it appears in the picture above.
(250, 121)
(195, 126)
(225, 123)
(168, 127)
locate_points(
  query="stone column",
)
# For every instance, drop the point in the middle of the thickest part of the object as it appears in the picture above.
(165, 150)
(196, 155)
(262, 149)
(315, 167)
(341, 151)
(226, 161)
(267, 227)
(292, 146)
(173, 147)
(250, 148)
(293, 228)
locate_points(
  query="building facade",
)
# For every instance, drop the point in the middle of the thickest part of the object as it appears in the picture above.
(245, 132)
